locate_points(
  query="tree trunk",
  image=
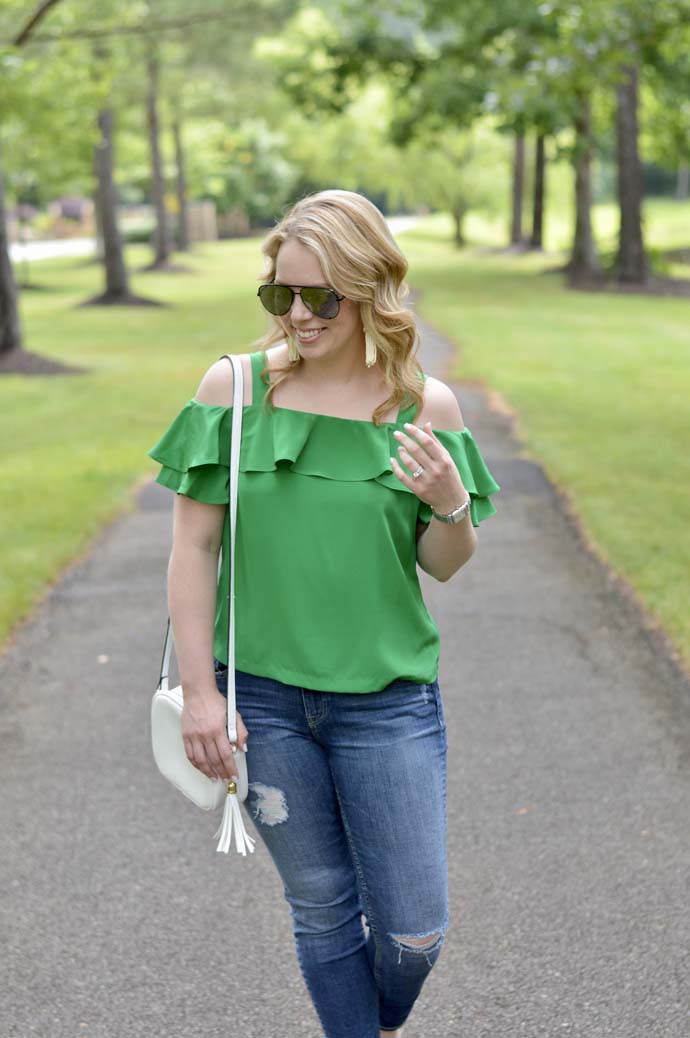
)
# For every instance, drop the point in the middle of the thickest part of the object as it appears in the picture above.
(162, 236)
(459, 219)
(182, 217)
(116, 285)
(683, 181)
(536, 241)
(518, 190)
(631, 261)
(584, 261)
(98, 228)
(10, 328)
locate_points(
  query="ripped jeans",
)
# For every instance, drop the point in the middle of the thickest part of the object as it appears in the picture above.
(348, 793)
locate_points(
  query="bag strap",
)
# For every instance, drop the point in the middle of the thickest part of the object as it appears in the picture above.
(235, 443)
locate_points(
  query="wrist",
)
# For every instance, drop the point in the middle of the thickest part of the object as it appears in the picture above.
(199, 693)
(455, 515)
(448, 506)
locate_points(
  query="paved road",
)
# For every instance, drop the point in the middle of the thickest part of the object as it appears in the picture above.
(569, 784)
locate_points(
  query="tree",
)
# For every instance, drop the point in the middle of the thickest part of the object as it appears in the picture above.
(162, 242)
(459, 172)
(10, 326)
(631, 261)
(584, 264)
(536, 239)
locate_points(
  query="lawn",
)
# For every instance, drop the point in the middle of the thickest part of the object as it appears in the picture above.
(601, 387)
(600, 383)
(74, 448)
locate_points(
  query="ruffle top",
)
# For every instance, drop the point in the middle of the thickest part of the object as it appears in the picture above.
(327, 595)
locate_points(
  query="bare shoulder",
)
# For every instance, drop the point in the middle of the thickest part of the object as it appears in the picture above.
(441, 407)
(216, 387)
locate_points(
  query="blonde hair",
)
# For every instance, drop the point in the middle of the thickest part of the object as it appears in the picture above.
(359, 257)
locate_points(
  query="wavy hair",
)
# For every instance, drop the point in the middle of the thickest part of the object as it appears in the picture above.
(359, 257)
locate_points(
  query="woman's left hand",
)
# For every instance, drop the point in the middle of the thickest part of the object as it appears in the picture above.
(439, 485)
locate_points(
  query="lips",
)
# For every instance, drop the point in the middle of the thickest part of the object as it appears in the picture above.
(309, 334)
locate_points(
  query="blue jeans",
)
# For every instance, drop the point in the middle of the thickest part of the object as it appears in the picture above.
(348, 793)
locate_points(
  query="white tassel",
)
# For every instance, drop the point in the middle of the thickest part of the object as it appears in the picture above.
(232, 818)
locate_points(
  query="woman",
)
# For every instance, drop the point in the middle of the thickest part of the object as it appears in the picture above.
(355, 468)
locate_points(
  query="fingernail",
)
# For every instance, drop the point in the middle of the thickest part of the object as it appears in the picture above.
(245, 748)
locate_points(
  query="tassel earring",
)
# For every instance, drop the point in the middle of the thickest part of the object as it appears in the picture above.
(293, 352)
(370, 344)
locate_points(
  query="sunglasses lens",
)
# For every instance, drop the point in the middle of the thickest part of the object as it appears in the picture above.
(276, 298)
(321, 301)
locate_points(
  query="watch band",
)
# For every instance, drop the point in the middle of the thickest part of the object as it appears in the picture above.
(457, 515)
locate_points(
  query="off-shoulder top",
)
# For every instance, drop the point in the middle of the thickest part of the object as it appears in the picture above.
(327, 595)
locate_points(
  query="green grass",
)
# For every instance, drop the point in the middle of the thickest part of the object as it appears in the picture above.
(74, 448)
(600, 384)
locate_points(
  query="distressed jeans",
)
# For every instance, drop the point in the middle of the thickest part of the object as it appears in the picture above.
(348, 793)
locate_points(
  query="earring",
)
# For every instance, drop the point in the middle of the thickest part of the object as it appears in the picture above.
(293, 352)
(370, 344)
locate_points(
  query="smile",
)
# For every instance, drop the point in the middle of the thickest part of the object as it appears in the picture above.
(311, 335)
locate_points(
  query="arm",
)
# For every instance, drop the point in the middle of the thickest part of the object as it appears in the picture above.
(193, 566)
(192, 583)
(442, 549)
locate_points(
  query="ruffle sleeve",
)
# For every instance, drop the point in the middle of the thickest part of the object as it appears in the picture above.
(194, 453)
(474, 473)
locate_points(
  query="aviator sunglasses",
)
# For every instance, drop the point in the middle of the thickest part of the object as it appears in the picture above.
(278, 300)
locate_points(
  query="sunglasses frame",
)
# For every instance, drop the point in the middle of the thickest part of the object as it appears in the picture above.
(321, 288)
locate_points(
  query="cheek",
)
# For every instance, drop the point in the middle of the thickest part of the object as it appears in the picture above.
(348, 320)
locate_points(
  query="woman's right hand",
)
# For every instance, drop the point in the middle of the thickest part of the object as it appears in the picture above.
(205, 735)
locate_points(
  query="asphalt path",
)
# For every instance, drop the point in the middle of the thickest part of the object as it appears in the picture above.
(568, 793)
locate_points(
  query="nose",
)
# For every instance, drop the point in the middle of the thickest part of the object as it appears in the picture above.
(298, 312)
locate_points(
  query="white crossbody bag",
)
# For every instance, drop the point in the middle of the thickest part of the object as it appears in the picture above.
(166, 706)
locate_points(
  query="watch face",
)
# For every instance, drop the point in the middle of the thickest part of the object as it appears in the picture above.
(460, 512)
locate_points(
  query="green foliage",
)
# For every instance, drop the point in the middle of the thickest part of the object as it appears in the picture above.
(459, 171)
(48, 138)
(240, 168)
(289, 97)
(350, 150)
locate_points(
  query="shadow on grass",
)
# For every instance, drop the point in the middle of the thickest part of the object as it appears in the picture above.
(22, 362)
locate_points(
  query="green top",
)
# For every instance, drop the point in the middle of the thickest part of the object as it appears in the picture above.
(326, 589)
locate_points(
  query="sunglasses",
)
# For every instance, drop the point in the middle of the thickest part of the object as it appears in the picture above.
(278, 300)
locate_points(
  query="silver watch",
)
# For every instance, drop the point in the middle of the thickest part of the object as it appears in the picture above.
(456, 516)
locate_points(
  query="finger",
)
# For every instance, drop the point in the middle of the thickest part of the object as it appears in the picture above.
(242, 733)
(412, 447)
(411, 463)
(227, 766)
(401, 474)
(424, 436)
(198, 758)
(216, 762)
